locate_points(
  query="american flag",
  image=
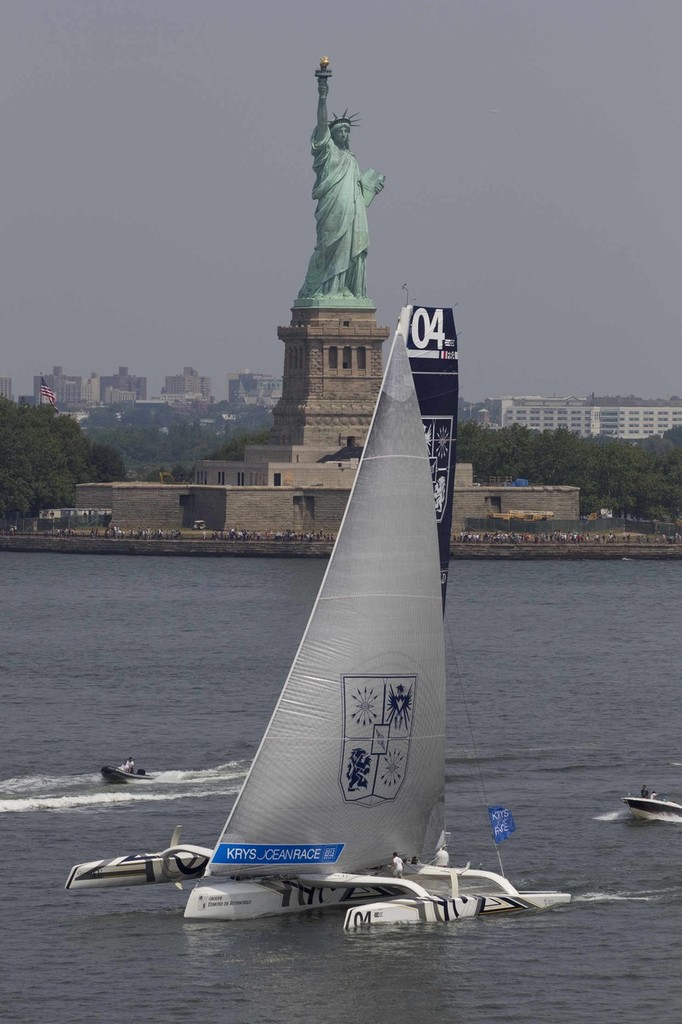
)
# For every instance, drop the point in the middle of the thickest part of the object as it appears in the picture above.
(48, 393)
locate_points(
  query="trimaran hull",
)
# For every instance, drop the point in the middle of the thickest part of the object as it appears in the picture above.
(426, 896)
(368, 899)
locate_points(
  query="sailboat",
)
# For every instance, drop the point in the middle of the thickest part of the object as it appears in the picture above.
(351, 767)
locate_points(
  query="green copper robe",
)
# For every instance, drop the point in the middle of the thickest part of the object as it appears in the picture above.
(337, 266)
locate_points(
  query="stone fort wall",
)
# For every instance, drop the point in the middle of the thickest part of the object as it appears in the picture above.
(301, 510)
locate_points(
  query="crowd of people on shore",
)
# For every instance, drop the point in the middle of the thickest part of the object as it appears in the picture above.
(278, 535)
(560, 537)
(116, 533)
(319, 536)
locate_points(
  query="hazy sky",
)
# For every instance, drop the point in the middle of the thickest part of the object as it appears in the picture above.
(155, 206)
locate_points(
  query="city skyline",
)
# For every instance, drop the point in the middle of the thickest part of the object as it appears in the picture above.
(156, 195)
(230, 381)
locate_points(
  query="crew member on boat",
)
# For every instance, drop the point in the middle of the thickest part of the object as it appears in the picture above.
(397, 865)
(645, 792)
(128, 766)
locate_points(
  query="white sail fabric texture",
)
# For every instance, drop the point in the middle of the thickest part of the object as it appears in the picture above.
(354, 753)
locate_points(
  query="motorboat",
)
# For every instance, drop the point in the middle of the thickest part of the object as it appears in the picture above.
(121, 775)
(653, 808)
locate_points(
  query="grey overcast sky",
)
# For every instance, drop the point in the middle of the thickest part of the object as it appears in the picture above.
(155, 196)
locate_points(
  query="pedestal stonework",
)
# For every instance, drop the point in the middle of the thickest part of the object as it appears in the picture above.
(332, 376)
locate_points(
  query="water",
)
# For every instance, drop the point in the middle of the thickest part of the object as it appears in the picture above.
(570, 677)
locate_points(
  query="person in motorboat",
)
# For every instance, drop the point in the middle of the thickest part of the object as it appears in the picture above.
(645, 792)
(397, 865)
(129, 766)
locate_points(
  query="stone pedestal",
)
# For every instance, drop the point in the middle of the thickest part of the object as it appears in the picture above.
(332, 376)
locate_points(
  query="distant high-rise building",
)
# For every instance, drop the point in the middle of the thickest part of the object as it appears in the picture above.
(68, 390)
(248, 386)
(114, 396)
(75, 393)
(125, 382)
(90, 390)
(6, 388)
(188, 386)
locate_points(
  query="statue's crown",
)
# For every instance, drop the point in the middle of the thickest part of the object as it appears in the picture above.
(350, 119)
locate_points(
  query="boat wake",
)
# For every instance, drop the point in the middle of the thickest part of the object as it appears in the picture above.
(649, 896)
(73, 792)
(619, 815)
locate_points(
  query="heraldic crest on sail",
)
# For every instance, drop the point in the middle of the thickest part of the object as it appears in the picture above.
(439, 434)
(377, 714)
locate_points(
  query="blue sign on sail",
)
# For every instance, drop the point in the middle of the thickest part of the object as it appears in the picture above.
(501, 822)
(277, 853)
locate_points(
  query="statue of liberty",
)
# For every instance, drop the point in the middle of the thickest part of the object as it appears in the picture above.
(337, 269)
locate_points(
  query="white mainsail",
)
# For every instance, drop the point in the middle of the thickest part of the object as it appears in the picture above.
(353, 757)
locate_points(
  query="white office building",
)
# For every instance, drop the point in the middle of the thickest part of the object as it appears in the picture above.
(626, 418)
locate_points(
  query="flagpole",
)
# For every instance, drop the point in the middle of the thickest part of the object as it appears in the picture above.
(497, 851)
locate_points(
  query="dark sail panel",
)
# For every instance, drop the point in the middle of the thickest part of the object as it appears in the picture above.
(431, 341)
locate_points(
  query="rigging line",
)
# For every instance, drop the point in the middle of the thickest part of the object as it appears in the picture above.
(481, 780)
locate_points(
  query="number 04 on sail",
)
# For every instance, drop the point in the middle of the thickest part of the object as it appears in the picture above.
(351, 767)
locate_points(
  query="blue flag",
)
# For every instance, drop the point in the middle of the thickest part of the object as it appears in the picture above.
(501, 822)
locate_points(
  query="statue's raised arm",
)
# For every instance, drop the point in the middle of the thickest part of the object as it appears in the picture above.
(337, 270)
(322, 91)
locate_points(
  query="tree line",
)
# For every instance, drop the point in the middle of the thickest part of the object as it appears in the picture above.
(163, 438)
(640, 480)
(43, 456)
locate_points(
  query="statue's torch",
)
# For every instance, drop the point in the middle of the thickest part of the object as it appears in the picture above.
(324, 72)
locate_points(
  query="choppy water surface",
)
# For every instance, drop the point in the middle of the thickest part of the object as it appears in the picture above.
(564, 695)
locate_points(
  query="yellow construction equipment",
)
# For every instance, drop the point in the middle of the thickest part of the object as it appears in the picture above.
(523, 515)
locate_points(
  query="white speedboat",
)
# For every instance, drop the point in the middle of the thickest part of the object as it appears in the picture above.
(351, 767)
(656, 808)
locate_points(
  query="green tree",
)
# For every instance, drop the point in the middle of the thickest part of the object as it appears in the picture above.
(674, 435)
(233, 450)
(42, 457)
(613, 474)
(106, 464)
